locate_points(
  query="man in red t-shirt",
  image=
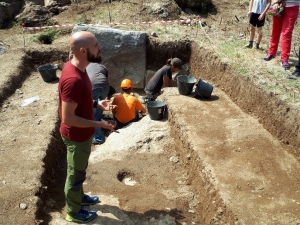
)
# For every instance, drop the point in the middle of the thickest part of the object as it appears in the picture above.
(77, 122)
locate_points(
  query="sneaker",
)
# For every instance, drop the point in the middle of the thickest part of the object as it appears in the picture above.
(285, 64)
(249, 45)
(83, 216)
(294, 75)
(97, 143)
(257, 46)
(268, 57)
(89, 200)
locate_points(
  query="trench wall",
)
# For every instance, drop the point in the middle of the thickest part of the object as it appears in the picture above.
(216, 212)
(50, 193)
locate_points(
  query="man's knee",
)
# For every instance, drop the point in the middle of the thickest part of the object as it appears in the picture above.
(80, 176)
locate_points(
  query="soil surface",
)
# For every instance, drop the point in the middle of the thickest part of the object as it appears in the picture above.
(229, 159)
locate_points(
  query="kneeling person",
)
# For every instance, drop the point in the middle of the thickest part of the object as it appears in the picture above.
(128, 106)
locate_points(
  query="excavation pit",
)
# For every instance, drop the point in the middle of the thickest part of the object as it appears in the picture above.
(232, 152)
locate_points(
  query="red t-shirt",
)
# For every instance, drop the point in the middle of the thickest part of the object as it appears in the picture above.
(75, 86)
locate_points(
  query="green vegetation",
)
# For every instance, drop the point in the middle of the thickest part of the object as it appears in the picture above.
(47, 36)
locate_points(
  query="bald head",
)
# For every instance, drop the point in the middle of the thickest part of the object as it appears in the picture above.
(81, 39)
(85, 49)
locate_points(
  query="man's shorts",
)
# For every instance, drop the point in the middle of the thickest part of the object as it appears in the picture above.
(254, 20)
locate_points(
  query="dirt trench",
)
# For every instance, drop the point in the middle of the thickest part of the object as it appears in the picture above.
(275, 115)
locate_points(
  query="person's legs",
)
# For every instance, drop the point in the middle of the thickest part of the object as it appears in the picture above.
(253, 22)
(119, 124)
(289, 17)
(275, 35)
(297, 66)
(259, 36)
(148, 94)
(148, 97)
(296, 73)
(99, 94)
(252, 35)
(77, 160)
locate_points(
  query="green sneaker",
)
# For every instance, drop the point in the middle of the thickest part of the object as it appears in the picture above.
(83, 216)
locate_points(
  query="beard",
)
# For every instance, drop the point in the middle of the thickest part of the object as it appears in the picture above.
(93, 59)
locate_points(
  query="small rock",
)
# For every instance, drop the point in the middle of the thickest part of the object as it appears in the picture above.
(14, 139)
(180, 182)
(4, 182)
(5, 106)
(191, 211)
(220, 211)
(174, 159)
(23, 206)
(153, 34)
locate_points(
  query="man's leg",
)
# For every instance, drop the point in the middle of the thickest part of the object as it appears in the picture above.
(77, 161)
(296, 73)
(298, 63)
(99, 95)
(148, 97)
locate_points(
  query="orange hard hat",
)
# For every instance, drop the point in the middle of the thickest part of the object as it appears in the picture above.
(126, 83)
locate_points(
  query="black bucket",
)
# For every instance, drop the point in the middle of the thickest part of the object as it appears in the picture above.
(203, 89)
(185, 84)
(156, 109)
(48, 72)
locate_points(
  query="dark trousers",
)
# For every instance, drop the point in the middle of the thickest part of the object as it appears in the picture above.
(121, 125)
(151, 96)
(298, 63)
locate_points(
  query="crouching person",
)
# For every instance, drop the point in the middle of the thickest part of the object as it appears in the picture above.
(127, 106)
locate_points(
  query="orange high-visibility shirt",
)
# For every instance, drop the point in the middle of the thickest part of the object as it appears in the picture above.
(126, 107)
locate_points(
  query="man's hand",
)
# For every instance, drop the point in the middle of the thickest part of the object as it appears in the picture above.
(109, 125)
(112, 122)
(105, 105)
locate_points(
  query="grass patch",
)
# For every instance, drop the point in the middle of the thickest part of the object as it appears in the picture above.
(47, 36)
